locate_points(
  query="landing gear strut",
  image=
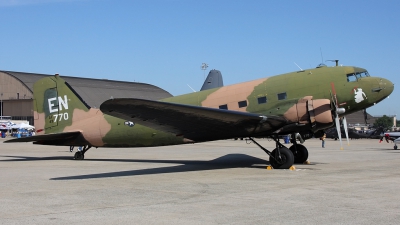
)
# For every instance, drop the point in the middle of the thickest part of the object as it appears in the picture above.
(280, 158)
(80, 154)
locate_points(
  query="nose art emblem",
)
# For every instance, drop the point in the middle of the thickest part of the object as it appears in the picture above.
(359, 95)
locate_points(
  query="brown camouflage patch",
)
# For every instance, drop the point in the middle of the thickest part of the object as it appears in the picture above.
(92, 125)
(39, 122)
(231, 95)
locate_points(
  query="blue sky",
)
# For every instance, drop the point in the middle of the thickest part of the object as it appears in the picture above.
(164, 42)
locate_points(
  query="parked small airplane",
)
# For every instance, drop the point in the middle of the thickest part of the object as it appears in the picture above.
(305, 102)
(393, 136)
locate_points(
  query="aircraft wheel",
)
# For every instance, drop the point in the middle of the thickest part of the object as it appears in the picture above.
(300, 153)
(79, 156)
(395, 147)
(285, 161)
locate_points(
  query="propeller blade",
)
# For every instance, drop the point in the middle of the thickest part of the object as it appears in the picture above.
(337, 109)
(338, 131)
(334, 94)
(344, 121)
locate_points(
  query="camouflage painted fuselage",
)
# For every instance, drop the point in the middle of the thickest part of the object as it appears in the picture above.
(314, 82)
(58, 108)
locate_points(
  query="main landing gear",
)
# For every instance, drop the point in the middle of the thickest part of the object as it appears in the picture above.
(80, 154)
(300, 152)
(280, 158)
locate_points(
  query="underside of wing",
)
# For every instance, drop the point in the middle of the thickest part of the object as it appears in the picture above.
(62, 139)
(192, 122)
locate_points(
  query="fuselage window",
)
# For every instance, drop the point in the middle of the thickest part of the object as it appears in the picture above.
(223, 106)
(242, 104)
(351, 77)
(262, 100)
(282, 96)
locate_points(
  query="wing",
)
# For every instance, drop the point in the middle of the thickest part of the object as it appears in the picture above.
(63, 139)
(192, 122)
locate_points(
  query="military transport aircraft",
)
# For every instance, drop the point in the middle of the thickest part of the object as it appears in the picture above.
(305, 102)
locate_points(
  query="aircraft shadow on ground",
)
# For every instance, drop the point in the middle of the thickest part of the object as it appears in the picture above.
(28, 158)
(224, 162)
(384, 149)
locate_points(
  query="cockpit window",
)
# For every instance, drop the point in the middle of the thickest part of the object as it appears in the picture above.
(351, 77)
(364, 74)
(355, 76)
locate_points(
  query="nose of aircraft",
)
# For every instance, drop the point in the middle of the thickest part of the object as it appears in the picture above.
(387, 86)
(381, 90)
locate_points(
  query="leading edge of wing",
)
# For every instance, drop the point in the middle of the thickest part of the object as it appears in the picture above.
(46, 137)
(194, 122)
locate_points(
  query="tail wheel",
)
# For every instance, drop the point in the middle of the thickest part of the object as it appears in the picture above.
(300, 153)
(284, 160)
(79, 155)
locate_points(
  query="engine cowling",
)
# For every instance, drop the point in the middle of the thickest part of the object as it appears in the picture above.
(315, 114)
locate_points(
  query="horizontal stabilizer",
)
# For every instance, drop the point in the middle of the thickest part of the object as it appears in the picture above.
(60, 138)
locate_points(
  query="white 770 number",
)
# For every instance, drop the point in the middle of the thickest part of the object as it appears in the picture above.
(60, 116)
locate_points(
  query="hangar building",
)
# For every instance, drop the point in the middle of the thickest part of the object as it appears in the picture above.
(16, 92)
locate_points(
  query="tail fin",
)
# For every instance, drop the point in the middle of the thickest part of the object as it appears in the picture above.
(55, 103)
(214, 80)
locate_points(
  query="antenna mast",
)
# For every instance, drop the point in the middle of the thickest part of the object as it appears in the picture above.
(322, 58)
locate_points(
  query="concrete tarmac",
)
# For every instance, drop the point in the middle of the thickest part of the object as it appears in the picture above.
(222, 182)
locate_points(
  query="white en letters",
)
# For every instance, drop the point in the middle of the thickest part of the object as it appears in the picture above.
(61, 103)
(54, 108)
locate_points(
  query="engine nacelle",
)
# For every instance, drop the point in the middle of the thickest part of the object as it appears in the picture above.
(315, 114)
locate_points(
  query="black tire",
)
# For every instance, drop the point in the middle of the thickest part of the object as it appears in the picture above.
(395, 147)
(79, 156)
(300, 153)
(284, 162)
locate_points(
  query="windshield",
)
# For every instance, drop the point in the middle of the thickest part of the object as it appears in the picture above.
(355, 76)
